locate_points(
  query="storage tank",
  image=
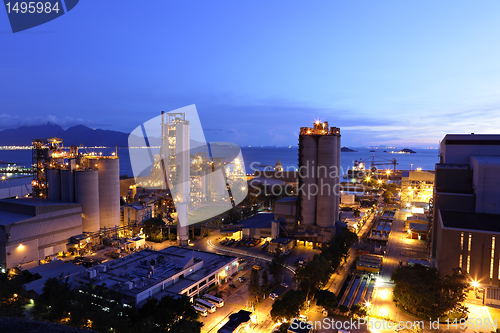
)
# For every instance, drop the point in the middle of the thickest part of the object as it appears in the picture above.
(87, 194)
(327, 210)
(109, 192)
(54, 180)
(307, 178)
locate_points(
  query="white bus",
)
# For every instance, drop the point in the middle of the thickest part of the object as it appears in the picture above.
(216, 300)
(202, 311)
(207, 305)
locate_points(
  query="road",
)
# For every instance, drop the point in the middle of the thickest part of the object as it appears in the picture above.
(238, 298)
(399, 250)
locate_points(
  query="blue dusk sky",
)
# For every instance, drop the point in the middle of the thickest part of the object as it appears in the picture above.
(398, 72)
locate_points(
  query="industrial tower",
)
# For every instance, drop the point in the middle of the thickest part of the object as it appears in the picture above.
(319, 175)
(175, 159)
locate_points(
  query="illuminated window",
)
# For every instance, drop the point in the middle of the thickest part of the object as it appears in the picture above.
(470, 243)
(468, 264)
(492, 256)
(462, 241)
(460, 262)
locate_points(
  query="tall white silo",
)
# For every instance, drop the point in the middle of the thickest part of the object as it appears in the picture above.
(109, 192)
(87, 194)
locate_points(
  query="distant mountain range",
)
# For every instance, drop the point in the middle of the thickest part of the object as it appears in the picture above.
(75, 135)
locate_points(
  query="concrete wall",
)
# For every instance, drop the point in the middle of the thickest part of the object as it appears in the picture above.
(486, 184)
(42, 235)
(448, 253)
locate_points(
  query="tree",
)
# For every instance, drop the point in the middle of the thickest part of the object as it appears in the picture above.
(288, 306)
(277, 266)
(343, 309)
(326, 299)
(11, 301)
(388, 197)
(169, 314)
(153, 229)
(55, 302)
(265, 283)
(357, 309)
(421, 291)
(337, 249)
(313, 275)
(254, 283)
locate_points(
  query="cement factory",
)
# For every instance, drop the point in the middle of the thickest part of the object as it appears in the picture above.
(74, 195)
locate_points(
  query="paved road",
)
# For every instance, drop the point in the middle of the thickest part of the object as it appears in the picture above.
(400, 249)
(236, 299)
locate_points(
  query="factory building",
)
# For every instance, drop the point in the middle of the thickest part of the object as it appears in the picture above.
(416, 188)
(35, 229)
(171, 271)
(466, 220)
(319, 182)
(73, 193)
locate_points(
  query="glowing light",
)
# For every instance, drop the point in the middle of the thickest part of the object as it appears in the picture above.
(20, 247)
(222, 274)
(475, 283)
(368, 178)
(384, 293)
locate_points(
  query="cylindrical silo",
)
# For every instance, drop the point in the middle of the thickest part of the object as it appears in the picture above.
(327, 181)
(218, 185)
(307, 174)
(67, 185)
(87, 194)
(54, 180)
(109, 192)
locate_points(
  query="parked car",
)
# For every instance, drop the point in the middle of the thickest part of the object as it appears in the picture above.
(256, 267)
(284, 285)
(273, 296)
(232, 285)
(241, 279)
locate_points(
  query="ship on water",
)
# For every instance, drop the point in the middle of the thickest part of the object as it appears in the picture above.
(360, 170)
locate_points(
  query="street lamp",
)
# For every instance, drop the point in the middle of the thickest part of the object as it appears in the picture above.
(475, 284)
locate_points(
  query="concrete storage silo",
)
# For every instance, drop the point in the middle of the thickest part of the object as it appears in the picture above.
(87, 194)
(109, 192)
(308, 151)
(327, 181)
(54, 179)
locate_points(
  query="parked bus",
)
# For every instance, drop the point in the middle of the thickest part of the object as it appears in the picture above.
(216, 300)
(201, 310)
(207, 305)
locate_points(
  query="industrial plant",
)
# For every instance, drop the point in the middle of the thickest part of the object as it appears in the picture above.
(74, 194)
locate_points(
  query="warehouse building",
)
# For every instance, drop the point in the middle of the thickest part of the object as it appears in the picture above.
(35, 229)
(172, 271)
